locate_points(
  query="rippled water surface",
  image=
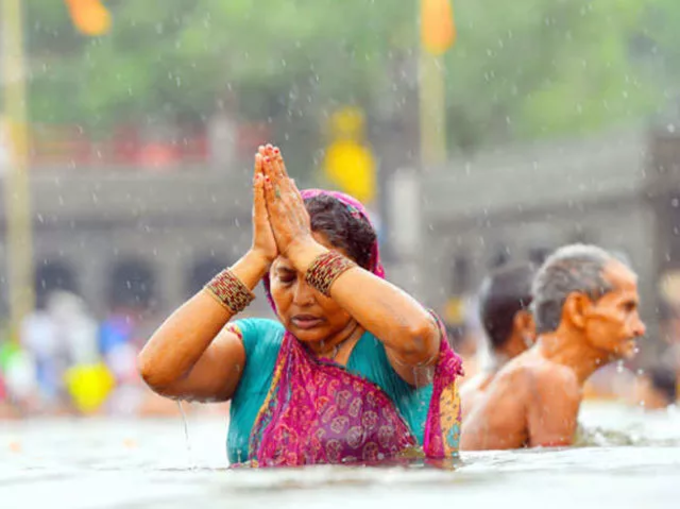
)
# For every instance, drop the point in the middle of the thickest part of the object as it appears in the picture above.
(625, 458)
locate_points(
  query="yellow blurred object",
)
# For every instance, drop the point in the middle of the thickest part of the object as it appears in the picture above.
(89, 386)
(348, 123)
(89, 16)
(17, 203)
(670, 287)
(437, 28)
(437, 35)
(349, 162)
(350, 165)
(129, 443)
(454, 311)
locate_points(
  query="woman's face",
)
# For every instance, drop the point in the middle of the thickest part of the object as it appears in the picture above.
(308, 314)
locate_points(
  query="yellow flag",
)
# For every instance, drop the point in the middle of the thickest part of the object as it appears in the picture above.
(437, 28)
(90, 17)
(349, 162)
(350, 166)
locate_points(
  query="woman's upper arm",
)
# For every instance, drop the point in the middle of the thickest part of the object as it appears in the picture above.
(216, 374)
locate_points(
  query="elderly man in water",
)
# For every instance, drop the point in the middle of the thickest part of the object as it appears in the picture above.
(585, 305)
(504, 301)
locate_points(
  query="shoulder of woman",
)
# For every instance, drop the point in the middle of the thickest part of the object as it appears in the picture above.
(260, 325)
(257, 332)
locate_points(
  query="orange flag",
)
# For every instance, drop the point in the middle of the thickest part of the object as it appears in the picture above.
(437, 28)
(90, 17)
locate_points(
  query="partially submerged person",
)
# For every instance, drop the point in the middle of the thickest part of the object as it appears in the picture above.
(355, 370)
(504, 312)
(656, 388)
(585, 306)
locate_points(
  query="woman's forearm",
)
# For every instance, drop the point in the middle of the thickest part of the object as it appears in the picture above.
(179, 342)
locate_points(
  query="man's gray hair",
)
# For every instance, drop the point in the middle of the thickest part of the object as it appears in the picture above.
(574, 268)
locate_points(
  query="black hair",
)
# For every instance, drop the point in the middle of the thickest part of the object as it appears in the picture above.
(343, 229)
(505, 292)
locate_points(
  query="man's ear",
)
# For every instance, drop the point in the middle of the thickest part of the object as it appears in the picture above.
(576, 308)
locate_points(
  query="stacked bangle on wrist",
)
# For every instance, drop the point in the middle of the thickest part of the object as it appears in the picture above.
(325, 269)
(230, 291)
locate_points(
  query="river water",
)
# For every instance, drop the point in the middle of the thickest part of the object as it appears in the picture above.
(625, 458)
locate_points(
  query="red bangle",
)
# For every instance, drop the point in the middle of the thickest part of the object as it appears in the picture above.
(325, 269)
(230, 291)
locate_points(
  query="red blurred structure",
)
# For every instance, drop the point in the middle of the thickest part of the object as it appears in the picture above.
(126, 146)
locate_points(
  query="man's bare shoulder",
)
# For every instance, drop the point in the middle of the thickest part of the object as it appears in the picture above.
(548, 379)
(517, 369)
(498, 418)
(532, 370)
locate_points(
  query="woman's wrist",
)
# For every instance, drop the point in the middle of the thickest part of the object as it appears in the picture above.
(258, 259)
(233, 287)
(251, 268)
(303, 252)
(230, 291)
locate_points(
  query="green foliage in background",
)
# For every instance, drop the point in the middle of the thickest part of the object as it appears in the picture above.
(546, 67)
(521, 69)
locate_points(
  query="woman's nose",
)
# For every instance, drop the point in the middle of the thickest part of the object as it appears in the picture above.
(304, 294)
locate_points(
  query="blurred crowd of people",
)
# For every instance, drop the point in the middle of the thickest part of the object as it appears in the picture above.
(68, 363)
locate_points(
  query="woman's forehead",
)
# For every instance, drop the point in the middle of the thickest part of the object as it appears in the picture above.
(281, 263)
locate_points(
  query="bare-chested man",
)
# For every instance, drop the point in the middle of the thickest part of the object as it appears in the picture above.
(504, 301)
(586, 312)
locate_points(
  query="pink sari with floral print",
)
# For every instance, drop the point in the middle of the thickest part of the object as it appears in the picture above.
(317, 412)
